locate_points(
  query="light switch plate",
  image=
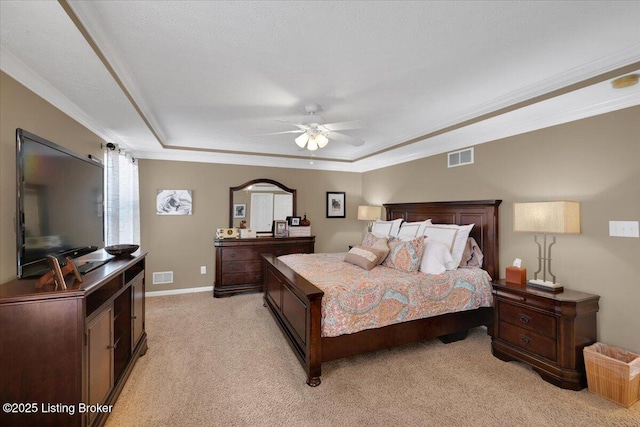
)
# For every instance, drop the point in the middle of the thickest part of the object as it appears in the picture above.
(624, 229)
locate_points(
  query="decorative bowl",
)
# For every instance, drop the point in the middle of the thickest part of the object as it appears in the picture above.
(119, 250)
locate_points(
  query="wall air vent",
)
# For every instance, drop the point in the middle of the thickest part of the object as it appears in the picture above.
(162, 277)
(460, 158)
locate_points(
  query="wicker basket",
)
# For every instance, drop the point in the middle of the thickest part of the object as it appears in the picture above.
(613, 373)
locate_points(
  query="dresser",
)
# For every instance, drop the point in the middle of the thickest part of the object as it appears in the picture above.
(238, 262)
(545, 330)
(66, 354)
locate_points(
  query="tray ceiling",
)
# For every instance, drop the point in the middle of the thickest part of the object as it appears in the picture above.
(206, 81)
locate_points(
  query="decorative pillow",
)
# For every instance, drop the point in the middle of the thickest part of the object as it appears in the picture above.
(460, 241)
(413, 229)
(472, 255)
(387, 228)
(437, 258)
(371, 239)
(366, 258)
(405, 255)
(441, 234)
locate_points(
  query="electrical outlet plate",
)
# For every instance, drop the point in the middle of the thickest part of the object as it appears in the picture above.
(624, 229)
(203, 269)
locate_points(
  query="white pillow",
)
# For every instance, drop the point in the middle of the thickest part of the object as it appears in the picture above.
(442, 234)
(387, 228)
(460, 240)
(413, 229)
(437, 258)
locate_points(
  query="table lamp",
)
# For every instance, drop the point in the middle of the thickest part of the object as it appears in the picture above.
(370, 214)
(542, 218)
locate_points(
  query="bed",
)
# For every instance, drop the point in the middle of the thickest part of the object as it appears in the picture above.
(296, 303)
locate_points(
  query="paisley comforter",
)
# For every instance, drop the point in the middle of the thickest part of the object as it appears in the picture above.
(356, 299)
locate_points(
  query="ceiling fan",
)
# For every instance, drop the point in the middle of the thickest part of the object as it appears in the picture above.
(315, 134)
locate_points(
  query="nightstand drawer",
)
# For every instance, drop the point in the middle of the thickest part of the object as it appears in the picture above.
(532, 320)
(528, 340)
(529, 299)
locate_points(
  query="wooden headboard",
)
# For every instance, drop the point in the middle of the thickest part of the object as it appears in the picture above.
(482, 213)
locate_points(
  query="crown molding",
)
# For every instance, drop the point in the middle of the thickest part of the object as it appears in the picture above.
(15, 68)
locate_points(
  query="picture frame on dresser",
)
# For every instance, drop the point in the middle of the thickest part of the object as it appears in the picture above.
(279, 228)
(293, 221)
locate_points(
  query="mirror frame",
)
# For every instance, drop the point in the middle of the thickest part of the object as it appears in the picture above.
(258, 181)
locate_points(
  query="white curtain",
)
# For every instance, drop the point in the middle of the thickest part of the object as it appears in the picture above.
(122, 219)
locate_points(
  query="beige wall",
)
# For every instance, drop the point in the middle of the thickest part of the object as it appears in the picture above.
(21, 108)
(594, 161)
(183, 244)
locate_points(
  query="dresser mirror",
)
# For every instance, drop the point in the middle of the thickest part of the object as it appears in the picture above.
(259, 202)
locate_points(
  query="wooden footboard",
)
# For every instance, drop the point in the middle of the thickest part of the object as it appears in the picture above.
(295, 303)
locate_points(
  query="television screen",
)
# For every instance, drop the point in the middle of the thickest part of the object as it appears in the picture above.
(59, 203)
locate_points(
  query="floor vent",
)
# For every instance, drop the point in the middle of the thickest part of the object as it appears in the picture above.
(460, 158)
(162, 277)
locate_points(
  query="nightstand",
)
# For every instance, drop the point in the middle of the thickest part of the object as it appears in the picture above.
(544, 330)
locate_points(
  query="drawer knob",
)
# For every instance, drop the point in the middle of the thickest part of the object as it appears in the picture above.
(232, 255)
(525, 339)
(524, 318)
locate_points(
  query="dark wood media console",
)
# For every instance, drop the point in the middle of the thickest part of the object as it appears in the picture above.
(66, 354)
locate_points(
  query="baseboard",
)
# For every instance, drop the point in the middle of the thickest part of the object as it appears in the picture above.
(178, 291)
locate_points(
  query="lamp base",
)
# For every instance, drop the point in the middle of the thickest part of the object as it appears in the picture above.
(545, 286)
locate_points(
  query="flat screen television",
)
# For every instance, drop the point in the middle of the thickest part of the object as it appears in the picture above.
(60, 208)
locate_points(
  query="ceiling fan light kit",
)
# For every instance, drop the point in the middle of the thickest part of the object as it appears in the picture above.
(314, 134)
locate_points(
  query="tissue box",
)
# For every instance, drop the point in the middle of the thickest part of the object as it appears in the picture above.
(516, 275)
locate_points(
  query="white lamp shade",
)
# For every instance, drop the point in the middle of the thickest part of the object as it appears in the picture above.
(312, 145)
(322, 140)
(369, 213)
(301, 140)
(560, 217)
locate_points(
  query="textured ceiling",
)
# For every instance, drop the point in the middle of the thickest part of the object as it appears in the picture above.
(206, 80)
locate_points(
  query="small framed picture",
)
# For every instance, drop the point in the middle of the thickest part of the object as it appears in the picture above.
(279, 228)
(239, 210)
(336, 201)
(293, 221)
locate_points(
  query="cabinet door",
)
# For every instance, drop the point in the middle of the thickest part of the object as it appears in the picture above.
(137, 295)
(100, 360)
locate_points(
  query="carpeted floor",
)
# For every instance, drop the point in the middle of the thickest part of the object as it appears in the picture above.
(224, 362)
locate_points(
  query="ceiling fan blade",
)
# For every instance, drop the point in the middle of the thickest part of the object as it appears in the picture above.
(280, 133)
(355, 124)
(298, 125)
(345, 138)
